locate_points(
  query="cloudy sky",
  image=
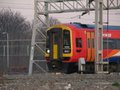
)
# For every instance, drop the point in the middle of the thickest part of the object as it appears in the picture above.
(26, 8)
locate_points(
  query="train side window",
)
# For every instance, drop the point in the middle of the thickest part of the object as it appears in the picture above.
(109, 44)
(93, 43)
(89, 43)
(78, 42)
(118, 43)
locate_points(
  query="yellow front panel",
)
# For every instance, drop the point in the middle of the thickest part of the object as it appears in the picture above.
(55, 51)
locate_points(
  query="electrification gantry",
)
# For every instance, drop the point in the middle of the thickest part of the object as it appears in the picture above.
(42, 9)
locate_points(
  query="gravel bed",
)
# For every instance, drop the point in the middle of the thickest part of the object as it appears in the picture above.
(57, 81)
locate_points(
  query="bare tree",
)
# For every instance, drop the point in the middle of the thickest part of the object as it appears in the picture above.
(13, 24)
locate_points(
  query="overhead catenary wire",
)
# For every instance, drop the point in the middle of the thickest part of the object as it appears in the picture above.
(79, 16)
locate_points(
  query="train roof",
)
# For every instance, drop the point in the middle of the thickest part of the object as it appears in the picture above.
(105, 27)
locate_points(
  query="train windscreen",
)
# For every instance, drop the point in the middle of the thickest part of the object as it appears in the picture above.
(66, 41)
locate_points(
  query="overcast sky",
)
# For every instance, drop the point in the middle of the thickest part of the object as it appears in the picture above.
(26, 8)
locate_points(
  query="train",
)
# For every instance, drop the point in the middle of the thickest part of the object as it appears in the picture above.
(67, 43)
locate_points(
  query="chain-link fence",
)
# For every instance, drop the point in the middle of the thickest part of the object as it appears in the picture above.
(14, 56)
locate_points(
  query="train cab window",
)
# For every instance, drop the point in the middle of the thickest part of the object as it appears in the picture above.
(78, 42)
(48, 40)
(55, 37)
(66, 38)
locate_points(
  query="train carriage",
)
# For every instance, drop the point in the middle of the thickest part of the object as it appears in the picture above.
(66, 43)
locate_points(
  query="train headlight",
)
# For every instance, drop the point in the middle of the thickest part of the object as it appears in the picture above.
(48, 51)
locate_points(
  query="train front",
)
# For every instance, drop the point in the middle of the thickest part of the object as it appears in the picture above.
(58, 47)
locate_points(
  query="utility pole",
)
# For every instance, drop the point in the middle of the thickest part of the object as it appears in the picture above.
(33, 39)
(34, 43)
(46, 14)
(99, 37)
(7, 52)
(7, 40)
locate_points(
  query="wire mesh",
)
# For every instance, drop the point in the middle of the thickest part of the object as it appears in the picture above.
(17, 60)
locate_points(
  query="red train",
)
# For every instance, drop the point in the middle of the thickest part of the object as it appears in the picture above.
(66, 43)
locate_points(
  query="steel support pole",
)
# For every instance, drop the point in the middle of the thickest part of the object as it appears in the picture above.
(101, 34)
(46, 14)
(33, 39)
(7, 51)
(47, 22)
(33, 42)
(98, 34)
(7, 46)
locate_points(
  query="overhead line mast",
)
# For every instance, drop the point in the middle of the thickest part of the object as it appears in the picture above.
(99, 64)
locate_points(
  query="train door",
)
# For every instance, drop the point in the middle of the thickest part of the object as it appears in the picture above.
(55, 36)
(90, 52)
(90, 46)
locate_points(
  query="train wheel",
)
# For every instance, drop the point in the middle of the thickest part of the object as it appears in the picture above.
(89, 68)
(114, 67)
